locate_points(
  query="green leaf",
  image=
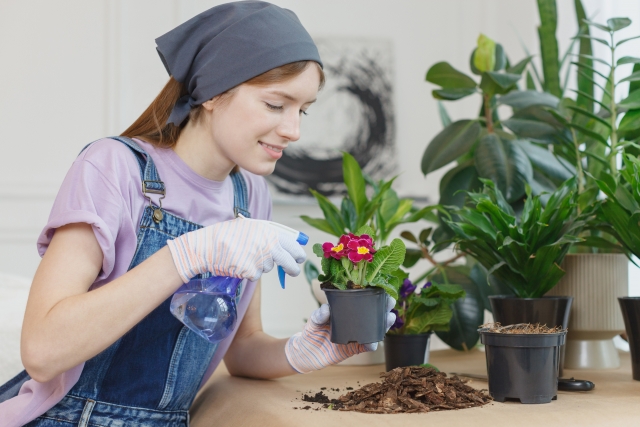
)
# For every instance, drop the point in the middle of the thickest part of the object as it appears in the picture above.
(320, 224)
(532, 129)
(349, 215)
(590, 115)
(354, 181)
(317, 249)
(456, 181)
(632, 101)
(493, 83)
(628, 60)
(631, 78)
(617, 24)
(331, 213)
(444, 116)
(467, 315)
(630, 122)
(520, 66)
(589, 133)
(504, 163)
(485, 55)
(365, 229)
(600, 26)
(549, 46)
(584, 98)
(452, 94)
(387, 259)
(426, 320)
(451, 143)
(443, 74)
(595, 39)
(522, 99)
(546, 162)
(412, 257)
(626, 40)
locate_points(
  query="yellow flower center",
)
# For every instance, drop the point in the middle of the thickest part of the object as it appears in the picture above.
(362, 250)
(338, 248)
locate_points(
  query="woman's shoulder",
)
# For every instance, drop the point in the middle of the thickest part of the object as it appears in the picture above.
(108, 153)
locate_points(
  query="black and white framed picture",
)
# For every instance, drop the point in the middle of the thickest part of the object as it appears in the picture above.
(354, 113)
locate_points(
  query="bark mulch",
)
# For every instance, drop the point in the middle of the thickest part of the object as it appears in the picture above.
(407, 390)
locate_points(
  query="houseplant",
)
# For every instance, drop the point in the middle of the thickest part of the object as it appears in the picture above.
(419, 312)
(523, 252)
(522, 361)
(356, 277)
(621, 210)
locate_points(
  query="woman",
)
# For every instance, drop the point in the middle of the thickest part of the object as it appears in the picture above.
(141, 214)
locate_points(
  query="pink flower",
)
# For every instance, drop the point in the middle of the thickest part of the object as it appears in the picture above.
(360, 247)
(338, 251)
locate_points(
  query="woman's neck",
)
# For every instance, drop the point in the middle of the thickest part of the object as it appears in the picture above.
(196, 148)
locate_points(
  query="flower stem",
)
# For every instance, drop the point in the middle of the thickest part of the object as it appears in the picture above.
(487, 112)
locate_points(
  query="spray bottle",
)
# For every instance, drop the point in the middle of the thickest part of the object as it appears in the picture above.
(209, 306)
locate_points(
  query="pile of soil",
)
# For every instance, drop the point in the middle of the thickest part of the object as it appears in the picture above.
(521, 328)
(406, 390)
(329, 285)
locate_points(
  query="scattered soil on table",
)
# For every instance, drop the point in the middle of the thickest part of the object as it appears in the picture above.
(521, 328)
(406, 390)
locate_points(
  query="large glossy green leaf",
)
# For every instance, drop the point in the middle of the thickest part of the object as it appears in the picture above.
(354, 181)
(443, 74)
(411, 257)
(425, 320)
(494, 83)
(617, 24)
(349, 215)
(632, 101)
(452, 94)
(549, 46)
(532, 129)
(543, 160)
(526, 98)
(505, 163)
(451, 143)
(456, 181)
(467, 315)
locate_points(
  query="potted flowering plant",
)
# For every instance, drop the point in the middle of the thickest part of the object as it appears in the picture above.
(419, 312)
(356, 278)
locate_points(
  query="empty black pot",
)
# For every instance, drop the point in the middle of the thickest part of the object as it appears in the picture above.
(630, 307)
(357, 315)
(522, 366)
(405, 350)
(550, 311)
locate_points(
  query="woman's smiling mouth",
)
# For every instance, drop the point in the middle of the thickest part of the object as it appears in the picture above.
(275, 152)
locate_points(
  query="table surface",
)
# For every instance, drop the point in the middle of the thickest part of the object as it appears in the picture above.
(233, 401)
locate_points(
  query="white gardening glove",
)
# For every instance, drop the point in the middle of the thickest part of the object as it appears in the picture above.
(242, 247)
(312, 349)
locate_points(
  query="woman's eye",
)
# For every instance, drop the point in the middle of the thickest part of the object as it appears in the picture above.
(273, 107)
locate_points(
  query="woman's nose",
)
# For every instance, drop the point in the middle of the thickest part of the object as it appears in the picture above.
(289, 127)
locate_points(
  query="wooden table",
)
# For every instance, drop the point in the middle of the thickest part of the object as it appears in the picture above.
(231, 401)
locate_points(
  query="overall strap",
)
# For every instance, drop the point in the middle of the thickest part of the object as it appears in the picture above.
(151, 182)
(240, 197)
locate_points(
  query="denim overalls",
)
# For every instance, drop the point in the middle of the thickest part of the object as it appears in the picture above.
(150, 376)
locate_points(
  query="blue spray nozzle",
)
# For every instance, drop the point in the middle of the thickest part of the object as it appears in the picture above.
(302, 239)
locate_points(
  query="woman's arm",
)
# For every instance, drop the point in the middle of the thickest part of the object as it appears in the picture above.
(253, 353)
(65, 325)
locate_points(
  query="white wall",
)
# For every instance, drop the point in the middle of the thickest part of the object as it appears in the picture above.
(74, 71)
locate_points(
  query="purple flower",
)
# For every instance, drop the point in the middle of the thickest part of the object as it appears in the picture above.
(407, 288)
(399, 322)
(427, 285)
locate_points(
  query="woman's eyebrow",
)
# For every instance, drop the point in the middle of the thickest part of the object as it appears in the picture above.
(288, 96)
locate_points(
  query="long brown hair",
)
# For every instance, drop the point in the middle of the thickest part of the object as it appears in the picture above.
(152, 124)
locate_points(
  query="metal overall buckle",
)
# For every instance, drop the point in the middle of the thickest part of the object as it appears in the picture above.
(157, 212)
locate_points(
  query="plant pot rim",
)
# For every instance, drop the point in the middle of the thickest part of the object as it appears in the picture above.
(629, 298)
(510, 297)
(557, 334)
(367, 289)
(409, 335)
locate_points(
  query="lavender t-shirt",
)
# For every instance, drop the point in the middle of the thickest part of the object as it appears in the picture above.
(103, 188)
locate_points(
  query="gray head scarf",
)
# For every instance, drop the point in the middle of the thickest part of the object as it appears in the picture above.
(228, 45)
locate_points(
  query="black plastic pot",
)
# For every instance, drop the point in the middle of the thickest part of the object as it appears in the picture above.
(630, 307)
(405, 350)
(357, 315)
(550, 311)
(523, 366)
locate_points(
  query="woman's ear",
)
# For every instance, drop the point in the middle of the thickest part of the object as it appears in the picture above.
(208, 105)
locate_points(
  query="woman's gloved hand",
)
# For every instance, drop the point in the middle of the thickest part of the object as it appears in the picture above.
(242, 247)
(312, 349)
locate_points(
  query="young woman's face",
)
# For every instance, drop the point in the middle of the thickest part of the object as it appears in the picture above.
(254, 126)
